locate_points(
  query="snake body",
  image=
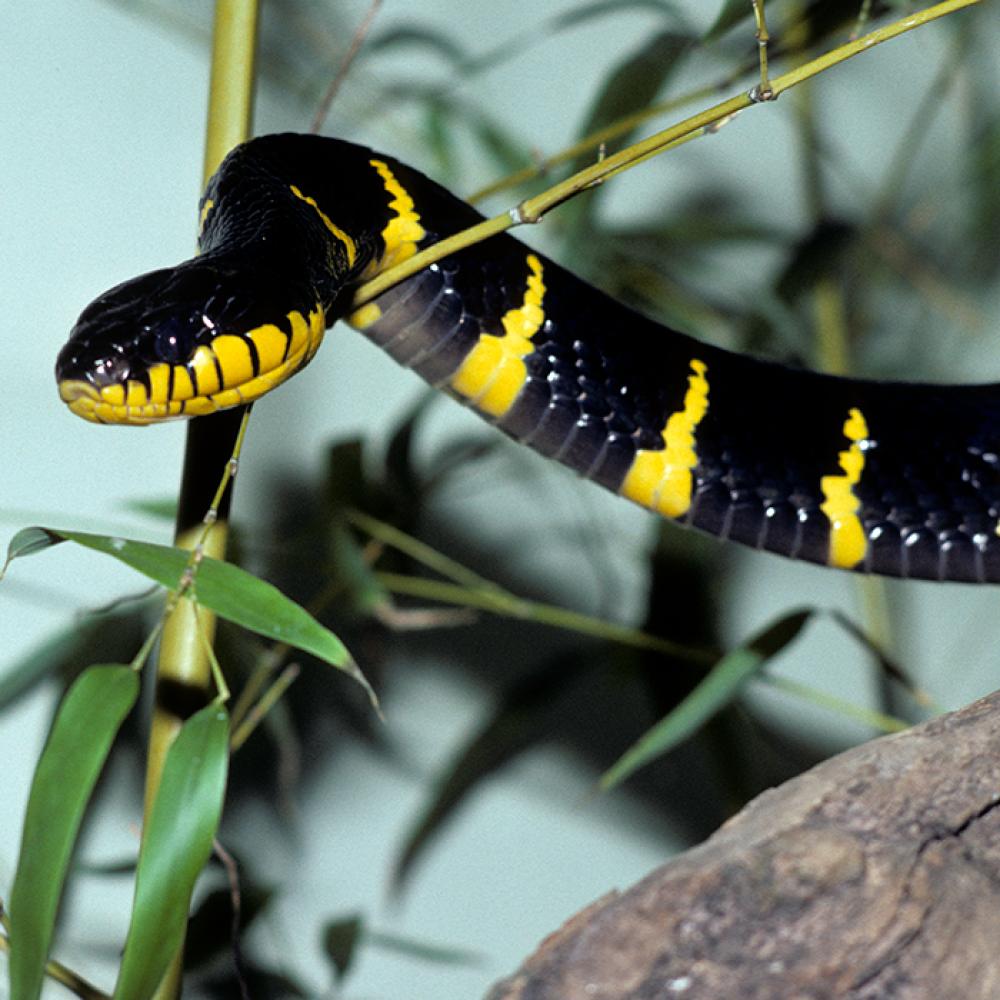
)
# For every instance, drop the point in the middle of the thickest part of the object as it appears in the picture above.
(895, 478)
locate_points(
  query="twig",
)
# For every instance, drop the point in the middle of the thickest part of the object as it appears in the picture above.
(353, 49)
(58, 972)
(235, 903)
(256, 714)
(532, 209)
(762, 92)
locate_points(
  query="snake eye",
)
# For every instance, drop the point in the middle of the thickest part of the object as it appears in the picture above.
(169, 338)
(175, 335)
(111, 370)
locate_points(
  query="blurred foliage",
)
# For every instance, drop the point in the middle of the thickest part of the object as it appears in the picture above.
(904, 260)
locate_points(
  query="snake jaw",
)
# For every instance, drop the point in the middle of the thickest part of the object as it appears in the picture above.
(230, 370)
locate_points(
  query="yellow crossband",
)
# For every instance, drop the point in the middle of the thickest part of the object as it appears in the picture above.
(206, 207)
(159, 383)
(494, 371)
(280, 355)
(350, 246)
(401, 235)
(841, 506)
(403, 231)
(369, 314)
(662, 480)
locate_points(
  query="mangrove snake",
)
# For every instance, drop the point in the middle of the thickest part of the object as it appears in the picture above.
(892, 478)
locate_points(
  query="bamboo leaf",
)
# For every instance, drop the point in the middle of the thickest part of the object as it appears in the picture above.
(524, 716)
(423, 951)
(25, 543)
(85, 727)
(340, 942)
(231, 592)
(717, 690)
(732, 12)
(419, 37)
(175, 846)
(344, 937)
(635, 82)
(70, 650)
(160, 508)
(600, 8)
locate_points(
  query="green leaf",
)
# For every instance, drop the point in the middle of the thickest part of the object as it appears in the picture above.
(231, 592)
(600, 8)
(175, 846)
(424, 951)
(417, 36)
(161, 508)
(631, 86)
(343, 938)
(340, 942)
(717, 690)
(85, 727)
(634, 83)
(732, 12)
(365, 590)
(107, 636)
(25, 543)
(525, 716)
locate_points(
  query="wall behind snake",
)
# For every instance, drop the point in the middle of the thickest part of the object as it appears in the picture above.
(102, 117)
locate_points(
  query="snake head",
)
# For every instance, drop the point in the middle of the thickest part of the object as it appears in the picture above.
(184, 341)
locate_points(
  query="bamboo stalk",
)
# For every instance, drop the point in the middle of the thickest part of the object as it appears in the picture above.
(184, 670)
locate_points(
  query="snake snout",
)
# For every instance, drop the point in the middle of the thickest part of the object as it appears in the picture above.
(185, 341)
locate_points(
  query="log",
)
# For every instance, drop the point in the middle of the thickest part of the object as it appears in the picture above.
(875, 875)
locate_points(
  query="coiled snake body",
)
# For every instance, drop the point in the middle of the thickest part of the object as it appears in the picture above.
(893, 478)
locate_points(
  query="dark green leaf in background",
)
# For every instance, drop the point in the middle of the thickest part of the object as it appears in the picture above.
(524, 716)
(340, 942)
(634, 84)
(731, 13)
(718, 689)
(112, 636)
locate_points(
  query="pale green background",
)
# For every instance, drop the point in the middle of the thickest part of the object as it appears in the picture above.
(101, 119)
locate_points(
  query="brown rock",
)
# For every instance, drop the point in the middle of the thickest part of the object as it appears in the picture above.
(875, 875)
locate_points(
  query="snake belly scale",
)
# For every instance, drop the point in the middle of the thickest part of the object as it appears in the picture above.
(896, 478)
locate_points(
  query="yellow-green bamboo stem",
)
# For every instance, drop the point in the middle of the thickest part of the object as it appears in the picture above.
(184, 670)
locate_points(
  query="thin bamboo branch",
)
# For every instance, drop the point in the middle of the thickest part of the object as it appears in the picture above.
(533, 209)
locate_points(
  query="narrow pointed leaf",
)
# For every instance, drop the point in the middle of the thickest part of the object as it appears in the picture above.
(634, 83)
(231, 592)
(601, 8)
(108, 636)
(85, 727)
(732, 12)
(424, 951)
(415, 36)
(26, 542)
(341, 939)
(525, 714)
(175, 847)
(717, 690)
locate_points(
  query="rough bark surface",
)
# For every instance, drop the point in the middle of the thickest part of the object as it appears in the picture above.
(875, 875)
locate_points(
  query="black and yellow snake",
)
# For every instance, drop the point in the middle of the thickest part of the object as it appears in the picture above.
(888, 477)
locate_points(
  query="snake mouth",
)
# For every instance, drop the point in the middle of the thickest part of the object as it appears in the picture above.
(231, 370)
